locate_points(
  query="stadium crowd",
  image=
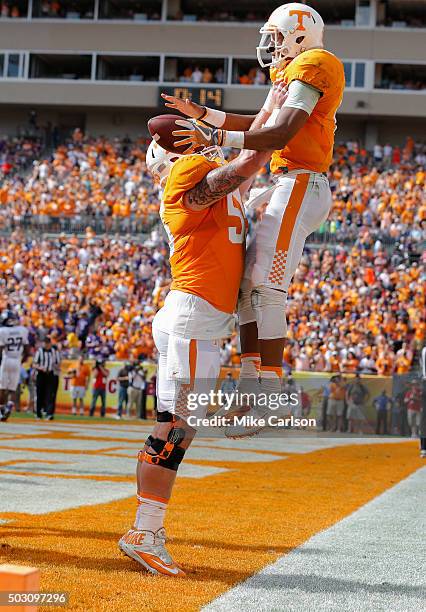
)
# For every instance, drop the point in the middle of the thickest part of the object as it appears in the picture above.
(201, 74)
(401, 76)
(9, 10)
(204, 73)
(356, 306)
(93, 294)
(253, 76)
(93, 177)
(17, 153)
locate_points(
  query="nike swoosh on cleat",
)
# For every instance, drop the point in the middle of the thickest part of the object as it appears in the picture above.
(168, 568)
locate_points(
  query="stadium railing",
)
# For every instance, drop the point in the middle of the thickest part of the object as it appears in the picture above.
(134, 225)
(78, 224)
(348, 238)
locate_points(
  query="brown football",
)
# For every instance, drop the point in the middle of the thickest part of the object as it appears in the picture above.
(161, 128)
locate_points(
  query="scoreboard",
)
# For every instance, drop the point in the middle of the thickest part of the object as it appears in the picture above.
(205, 96)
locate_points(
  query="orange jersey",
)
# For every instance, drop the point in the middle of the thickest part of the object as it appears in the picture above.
(312, 147)
(207, 247)
(81, 376)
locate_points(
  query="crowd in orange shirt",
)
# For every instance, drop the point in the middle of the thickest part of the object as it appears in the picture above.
(355, 310)
(91, 293)
(360, 305)
(356, 306)
(17, 153)
(379, 193)
(92, 177)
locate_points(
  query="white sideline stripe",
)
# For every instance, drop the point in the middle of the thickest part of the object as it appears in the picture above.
(33, 495)
(371, 561)
(59, 444)
(86, 465)
(293, 442)
(206, 453)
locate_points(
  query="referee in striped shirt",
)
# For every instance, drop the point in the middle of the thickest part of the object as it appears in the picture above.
(46, 363)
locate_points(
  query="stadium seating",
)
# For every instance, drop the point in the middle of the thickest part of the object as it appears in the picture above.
(85, 181)
(355, 306)
(17, 153)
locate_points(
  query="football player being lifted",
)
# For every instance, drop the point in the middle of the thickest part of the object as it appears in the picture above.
(301, 134)
(204, 218)
(13, 351)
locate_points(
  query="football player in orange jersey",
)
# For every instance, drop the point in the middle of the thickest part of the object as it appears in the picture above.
(301, 134)
(203, 216)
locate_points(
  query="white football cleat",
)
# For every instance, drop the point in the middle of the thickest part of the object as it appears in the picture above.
(148, 549)
(244, 408)
(251, 422)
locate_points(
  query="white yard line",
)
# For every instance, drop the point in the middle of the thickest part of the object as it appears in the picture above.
(371, 561)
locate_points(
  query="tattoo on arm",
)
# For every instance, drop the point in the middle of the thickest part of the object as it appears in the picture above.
(214, 186)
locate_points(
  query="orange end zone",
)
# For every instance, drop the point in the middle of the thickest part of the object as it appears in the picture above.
(218, 543)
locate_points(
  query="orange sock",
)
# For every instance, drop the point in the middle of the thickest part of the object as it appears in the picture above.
(151, 511)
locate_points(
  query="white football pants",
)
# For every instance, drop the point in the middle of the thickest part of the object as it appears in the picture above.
(300, 203)
(173, 395)
(10, 370)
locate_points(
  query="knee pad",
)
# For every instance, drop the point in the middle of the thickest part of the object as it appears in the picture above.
(246, 313)
(269, 307)
(165, 453)
(162, 417)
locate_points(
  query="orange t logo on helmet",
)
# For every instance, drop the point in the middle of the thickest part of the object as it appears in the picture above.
(300, 15)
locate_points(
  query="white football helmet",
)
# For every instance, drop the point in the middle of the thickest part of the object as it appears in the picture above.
(291, 29)
(159, 161)
(214, 153)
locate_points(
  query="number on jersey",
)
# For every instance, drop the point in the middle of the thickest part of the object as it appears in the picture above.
(236, 235)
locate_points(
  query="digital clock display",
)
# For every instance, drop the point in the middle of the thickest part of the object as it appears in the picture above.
(205, 96)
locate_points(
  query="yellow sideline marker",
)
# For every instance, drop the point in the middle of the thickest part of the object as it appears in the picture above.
(18, 578)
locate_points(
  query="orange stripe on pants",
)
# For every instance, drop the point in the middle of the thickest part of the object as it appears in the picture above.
(181, 407)
(288, 222)
(192, 361)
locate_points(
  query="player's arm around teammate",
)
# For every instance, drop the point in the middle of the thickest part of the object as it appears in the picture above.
(302, 134)
(224, 180)
(226, 177)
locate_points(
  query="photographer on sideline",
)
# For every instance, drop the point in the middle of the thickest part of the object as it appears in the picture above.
(137, 379)
(100, 377)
